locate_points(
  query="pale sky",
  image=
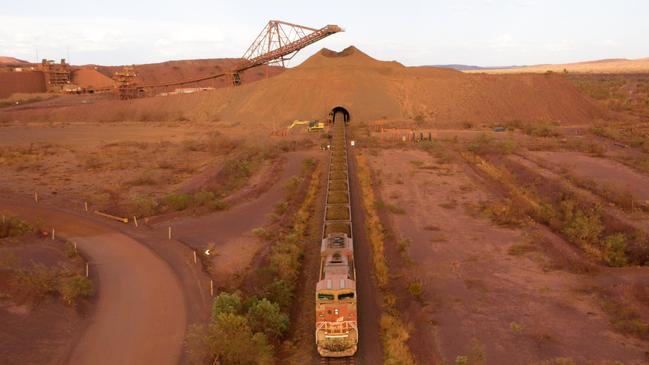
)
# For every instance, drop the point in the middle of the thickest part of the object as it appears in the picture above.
(478, 32)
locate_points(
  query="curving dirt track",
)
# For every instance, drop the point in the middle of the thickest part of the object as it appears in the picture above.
(140, 315)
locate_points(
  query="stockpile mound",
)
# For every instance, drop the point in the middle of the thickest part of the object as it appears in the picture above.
(372, 89)
(11, 61)
(90, 78)
(369, 89)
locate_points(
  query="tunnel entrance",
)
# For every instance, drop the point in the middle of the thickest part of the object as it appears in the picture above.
(339, 114)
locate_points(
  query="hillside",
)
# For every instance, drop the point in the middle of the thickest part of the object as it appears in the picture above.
(173, 71)
(370, 89)
(373, 89)
(11, 61)
(608, 66)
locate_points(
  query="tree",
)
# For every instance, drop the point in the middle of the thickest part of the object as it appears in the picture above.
(281, 292)
(234, 343)
(226, 303)
(266, 317)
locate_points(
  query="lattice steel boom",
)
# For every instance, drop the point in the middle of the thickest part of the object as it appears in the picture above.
(278, 42)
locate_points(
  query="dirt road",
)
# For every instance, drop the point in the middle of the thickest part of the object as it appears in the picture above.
(140, 315)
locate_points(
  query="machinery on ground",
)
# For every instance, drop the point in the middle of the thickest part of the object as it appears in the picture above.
(312, 125)
(336, 302)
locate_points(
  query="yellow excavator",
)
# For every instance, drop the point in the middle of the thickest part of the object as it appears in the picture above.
(312, 125)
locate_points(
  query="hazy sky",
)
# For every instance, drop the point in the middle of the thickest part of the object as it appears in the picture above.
(479, 32)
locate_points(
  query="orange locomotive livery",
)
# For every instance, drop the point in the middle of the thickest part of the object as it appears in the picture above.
(336, 322)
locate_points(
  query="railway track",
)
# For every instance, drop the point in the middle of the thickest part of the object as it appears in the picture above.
(336, 299)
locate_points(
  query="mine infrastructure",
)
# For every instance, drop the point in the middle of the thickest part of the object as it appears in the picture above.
(277, 43)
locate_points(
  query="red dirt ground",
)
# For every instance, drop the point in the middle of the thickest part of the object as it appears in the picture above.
(480, 300)
(230, 232)
(604, 171)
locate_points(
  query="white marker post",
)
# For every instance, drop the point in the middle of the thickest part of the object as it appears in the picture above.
(85, 205)
(195, 257)
(212, 287)
(87, 269)
(75, 247)
(53, 234)
(36, 197)
(135, 221)
(169, 232)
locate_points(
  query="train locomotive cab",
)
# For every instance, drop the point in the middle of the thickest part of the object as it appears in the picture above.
(336, 323)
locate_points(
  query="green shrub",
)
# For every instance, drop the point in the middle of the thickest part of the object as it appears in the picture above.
(394, 336)
(625, 318)
(266, 317)
(233, 342)
(484, 145)
(37, 282)
(540, 129)
(74, 287)
(582, 227)
(226, 303)
(12, 227)
(179, 201)
(145, 206)
(505, 213)
(416, 289)
(614, 247)
(280, 292)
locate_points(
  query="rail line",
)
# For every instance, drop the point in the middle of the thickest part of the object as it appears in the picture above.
(336, 322)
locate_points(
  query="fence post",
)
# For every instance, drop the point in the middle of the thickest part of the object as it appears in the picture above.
(211, 287)
(36, 197)
(135, 220)
(53, 234)
(195, 256)
(85, 205)
(169, 232)
(87, 269)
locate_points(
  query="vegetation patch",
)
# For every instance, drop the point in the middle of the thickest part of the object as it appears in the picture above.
(394, 333)
(535, 128)
(625, 317)
(11, 226)
(580, 223)
(38, 281)
(248, 330)
(485, 145)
